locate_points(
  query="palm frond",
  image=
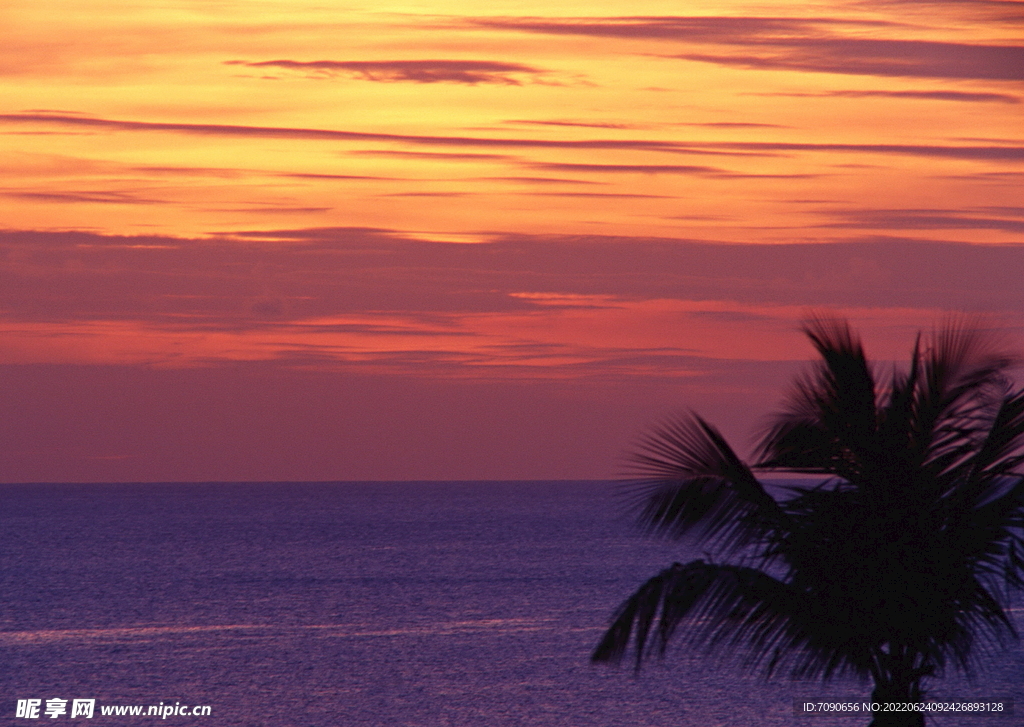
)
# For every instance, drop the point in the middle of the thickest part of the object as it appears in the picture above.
(998, 453)
(897, 421)
(829, 424)
(847, 375)
(894, 567)
(729, 609)
(688, 480)
(661, 602)
(961, 383)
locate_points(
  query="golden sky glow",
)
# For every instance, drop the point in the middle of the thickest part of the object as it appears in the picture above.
(190, 184)
(601, 118)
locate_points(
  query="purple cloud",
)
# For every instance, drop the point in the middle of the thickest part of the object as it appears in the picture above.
(921, 95)
(586, 195)
(986, 152)
(417, 71)
(196, 284)
(629, 168)
(1000, 152)
(277, 132)
(579, 124)
(679, 28)
(930, 219)
(432, 155)
(812, 45)
(101, 196)
(901, 58)
(540, 180)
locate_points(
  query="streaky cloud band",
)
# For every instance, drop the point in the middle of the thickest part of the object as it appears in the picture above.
(418, 71)
(980, 152)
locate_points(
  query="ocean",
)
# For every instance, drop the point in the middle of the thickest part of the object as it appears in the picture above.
(415, 604)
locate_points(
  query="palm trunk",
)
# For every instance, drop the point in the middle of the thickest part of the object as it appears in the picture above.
(899, 684)
(898, 692)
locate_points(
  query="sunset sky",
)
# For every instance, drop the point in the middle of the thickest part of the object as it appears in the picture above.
(273, 240)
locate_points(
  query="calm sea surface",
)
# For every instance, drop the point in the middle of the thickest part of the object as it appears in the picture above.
(370, 604)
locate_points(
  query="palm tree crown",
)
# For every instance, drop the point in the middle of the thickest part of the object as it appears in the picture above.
(892, 568)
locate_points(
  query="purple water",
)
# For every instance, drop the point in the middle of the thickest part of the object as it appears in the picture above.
(362, 604)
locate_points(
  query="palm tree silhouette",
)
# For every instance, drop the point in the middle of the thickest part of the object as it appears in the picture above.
(894, 567)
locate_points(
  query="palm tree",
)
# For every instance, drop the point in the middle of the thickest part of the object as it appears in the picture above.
(894, 564)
